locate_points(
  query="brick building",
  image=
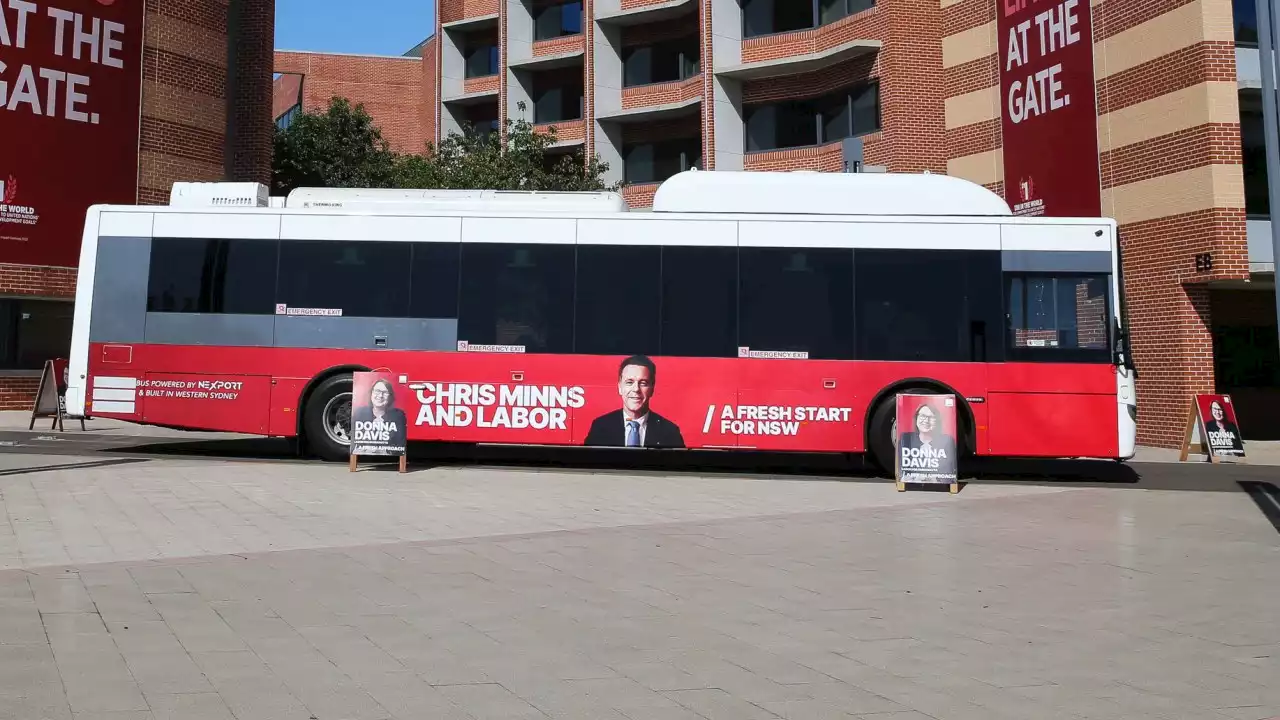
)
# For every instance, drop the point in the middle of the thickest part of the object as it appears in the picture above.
(657, 86)
(395, 90)
(206, 94)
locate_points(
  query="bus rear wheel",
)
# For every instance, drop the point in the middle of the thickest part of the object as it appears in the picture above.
(327, 421)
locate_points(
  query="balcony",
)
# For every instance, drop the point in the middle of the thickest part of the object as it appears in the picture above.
(786, 46)
(468, 14)
(637, 12)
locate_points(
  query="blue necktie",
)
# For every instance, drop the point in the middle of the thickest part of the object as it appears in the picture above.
(633, 433)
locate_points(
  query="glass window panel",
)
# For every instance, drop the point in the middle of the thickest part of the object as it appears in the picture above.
(363, 279)
(202, 275)
(797, 300)
(619, 299)
(518, 295)
(700, 301)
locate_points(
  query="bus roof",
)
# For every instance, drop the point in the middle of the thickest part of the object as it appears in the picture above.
(818, 193)
(515, 200)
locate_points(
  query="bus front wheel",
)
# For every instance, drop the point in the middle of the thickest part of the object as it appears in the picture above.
(328, 418)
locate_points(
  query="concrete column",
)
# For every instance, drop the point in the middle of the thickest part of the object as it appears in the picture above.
(607, 91)
(452, 65)
(723, 137)
(519, 45)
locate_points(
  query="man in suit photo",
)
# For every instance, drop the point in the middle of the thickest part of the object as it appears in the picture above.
(634, 424)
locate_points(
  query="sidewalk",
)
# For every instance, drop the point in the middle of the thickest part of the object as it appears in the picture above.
(11, 420)
(1258, 452)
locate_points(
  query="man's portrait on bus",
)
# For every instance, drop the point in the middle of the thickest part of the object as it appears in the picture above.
(635, 424)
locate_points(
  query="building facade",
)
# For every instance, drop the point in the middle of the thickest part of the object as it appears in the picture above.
(658, 86)
(396, 90)
(205, 115)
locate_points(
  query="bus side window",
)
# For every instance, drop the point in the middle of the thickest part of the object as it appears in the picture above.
(797, 299)
(617, 310)
(433, 287)
(1058, 317)
(700, 301)
(361, 278)
(922, 305)
(517, 294)
(200, 275)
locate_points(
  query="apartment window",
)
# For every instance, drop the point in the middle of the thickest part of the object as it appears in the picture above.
(767, 17)
(800, 123)
(661, 62)
(557, 97)
(1245, 16)
(284, 121)
(481, 59)
(1253, 146)
(657, 161)
(557, 20)
(32, 331)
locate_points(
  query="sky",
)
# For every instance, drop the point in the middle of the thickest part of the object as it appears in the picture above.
(372, 27)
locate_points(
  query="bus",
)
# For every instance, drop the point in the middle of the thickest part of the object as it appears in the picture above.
(767, 311)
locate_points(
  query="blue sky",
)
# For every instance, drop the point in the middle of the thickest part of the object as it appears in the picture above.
(375, 27)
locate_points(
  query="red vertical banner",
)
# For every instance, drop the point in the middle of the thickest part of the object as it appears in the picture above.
(70, 108)
(1048, 107)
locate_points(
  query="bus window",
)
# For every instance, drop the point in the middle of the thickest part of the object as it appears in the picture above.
(797, 300)
(363, 279)
(197, 275)
(619, 299)
(700, 301)
(517, 295)
(1056, 318)
(928, 305)
(433, 288)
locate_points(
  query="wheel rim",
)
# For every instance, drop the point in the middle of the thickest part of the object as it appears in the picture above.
(337, 418)
(893, 435)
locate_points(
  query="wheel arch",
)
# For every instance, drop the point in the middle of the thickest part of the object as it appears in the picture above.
(312, 384)
(964, 414)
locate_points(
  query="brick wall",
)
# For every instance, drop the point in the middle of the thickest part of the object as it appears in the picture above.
(286, 91)
(452, 10)
(390, 88)
(37, 281)
(429, 109)
(662, 93)
(187, 133)
(250, 130)
(1170, 168)
(18, 393)
(184, 96)
(866, 25)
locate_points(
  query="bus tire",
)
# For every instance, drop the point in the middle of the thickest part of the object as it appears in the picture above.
(323, 415)
(881, 443)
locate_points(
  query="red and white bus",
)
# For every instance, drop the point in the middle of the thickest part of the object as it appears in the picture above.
(747, 311)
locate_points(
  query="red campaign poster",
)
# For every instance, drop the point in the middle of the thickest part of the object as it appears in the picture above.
(1219, 425)
(379, 424)
(926, 438)
(1048, 107)
(634, 401)
(70, 108)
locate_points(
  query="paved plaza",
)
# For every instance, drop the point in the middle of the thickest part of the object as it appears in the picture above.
(201, 589)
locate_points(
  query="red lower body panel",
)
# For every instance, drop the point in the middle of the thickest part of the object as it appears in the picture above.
(786, 405)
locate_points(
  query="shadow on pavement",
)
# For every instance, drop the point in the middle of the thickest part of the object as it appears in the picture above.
(1267, 497)
(812, 468)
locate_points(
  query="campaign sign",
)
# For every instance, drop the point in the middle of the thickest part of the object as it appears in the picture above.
(926, 427)
(378, 424)
(1218, 425)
